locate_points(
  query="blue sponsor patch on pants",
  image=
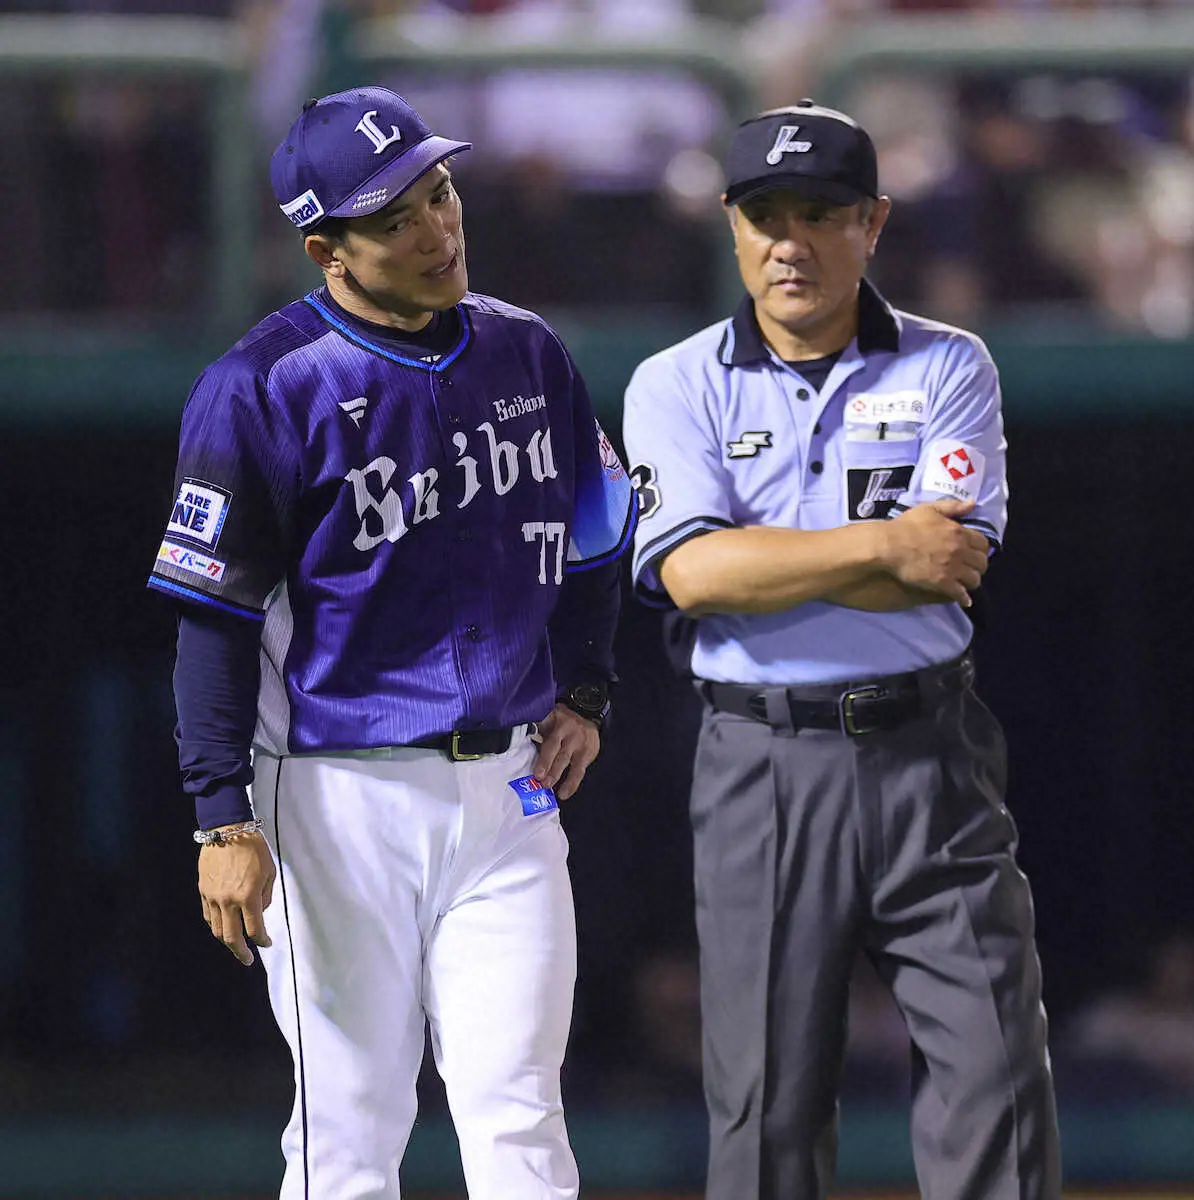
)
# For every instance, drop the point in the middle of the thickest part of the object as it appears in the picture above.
(534, 796)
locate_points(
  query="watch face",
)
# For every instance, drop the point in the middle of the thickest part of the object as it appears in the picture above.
(589, 695)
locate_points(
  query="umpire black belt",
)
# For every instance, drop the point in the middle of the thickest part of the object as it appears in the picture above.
(852, 708)
(464, 745)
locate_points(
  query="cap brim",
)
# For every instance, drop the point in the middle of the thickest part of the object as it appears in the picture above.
(829, 190)
(394, 178)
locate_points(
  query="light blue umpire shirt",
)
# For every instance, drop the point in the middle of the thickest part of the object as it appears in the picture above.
(724, 433)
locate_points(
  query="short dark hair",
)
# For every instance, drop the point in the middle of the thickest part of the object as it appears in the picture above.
(335, 229)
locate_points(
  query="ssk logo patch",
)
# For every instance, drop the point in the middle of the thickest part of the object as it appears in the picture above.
(871, 491)
(199, 512)
(749, 444)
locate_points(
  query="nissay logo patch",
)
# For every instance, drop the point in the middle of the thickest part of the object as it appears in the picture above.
(954, 469)
(871, 491)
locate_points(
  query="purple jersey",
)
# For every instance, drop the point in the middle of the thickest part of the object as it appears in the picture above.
(402, 527)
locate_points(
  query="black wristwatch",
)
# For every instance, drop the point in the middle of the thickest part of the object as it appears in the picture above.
(591, 700)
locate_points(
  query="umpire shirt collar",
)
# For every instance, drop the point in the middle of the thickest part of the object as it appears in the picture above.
(877, 330)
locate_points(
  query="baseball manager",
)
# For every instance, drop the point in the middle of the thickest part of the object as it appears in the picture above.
(394, 550)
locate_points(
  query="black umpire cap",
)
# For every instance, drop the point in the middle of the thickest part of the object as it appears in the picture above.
(819, 152)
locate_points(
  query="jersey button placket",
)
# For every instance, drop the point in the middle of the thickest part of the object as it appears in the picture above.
(444, 385)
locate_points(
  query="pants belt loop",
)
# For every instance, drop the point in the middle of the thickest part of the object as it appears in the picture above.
(779, 712)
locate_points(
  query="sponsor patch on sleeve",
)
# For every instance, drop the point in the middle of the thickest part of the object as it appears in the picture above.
(610, 463)
(199, 512)
(535, 797)
(194, 561)
(954, 469)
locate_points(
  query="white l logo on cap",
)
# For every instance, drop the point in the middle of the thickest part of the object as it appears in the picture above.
(786, 143)
(368, 127)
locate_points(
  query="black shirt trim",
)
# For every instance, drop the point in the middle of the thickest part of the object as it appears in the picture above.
(877, 329)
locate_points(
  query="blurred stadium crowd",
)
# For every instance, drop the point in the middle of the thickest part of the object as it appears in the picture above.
(1035, 197)
(1038, 200)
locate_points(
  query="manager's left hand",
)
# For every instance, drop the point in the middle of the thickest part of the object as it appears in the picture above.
(568, 743)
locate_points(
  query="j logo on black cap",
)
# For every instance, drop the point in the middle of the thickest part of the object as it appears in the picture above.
(786, 143)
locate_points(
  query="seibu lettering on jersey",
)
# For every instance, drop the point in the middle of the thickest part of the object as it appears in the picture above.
(318, 491)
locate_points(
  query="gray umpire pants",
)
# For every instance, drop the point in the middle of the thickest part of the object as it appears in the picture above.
(812, 845)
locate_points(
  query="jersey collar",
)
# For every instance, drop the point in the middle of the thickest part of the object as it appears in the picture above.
(368, 343)
(743, 342)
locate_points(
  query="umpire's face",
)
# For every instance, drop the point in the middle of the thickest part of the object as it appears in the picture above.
(404, 262)
(801, 260)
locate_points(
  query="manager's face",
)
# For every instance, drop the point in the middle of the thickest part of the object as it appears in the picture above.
(408, 258)
(801, 260)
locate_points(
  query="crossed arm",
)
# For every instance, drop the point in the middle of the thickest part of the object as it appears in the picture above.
(924, 556)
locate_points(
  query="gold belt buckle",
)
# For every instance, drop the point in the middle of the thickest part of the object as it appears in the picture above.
(454, 752)
(849, 724)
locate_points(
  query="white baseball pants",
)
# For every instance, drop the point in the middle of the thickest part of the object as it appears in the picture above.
(412, 888)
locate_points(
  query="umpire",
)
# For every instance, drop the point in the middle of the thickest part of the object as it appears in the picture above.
(821, 484)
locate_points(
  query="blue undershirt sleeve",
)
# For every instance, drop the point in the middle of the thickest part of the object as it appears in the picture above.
(581, 629)
(216, 678)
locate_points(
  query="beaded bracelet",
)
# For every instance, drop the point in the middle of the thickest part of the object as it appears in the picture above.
(218, 837)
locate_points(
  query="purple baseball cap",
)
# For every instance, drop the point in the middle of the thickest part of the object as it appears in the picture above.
(351, 153)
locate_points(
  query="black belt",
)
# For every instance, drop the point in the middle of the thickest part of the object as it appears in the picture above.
(854, 709)
(465, 745)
